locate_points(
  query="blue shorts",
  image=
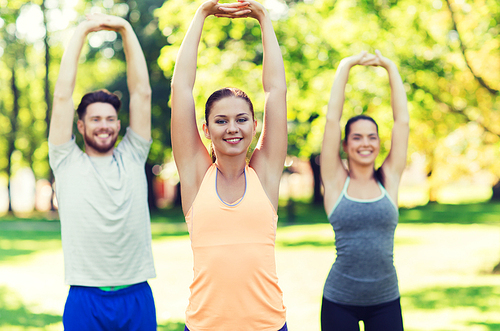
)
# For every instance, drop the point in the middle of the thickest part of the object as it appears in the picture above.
(284, 328)
(90, 308)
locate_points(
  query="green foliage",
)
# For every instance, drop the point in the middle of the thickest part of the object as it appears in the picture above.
(444, 94)
(448, 53)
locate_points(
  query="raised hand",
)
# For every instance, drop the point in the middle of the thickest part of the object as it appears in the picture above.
(241, 9)
(87, 26)
(376, 60)
(107, 22)
(357, 59)
(230, 10)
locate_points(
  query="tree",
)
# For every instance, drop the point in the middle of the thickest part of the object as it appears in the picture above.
(447, 52)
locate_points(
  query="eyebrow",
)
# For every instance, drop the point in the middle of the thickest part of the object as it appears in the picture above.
(359, 134)
(240, 114)
(98, 116)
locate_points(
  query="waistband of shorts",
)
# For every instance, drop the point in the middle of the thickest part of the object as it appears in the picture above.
(113, 288)
(110, 290)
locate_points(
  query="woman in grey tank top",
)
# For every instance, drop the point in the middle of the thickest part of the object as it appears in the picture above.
(361, 204)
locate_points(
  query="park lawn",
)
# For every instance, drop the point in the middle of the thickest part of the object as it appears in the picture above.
(443, 257)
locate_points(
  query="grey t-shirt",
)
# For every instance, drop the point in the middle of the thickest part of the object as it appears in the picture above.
(363, 273)
(105, 221)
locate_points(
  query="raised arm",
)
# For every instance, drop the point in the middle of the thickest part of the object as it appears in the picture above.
(63, 110)
(190, 155)
(333, 173)
(269, 155)
(395, 162)
(137, 73)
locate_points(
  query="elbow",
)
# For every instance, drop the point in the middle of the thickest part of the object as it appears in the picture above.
(62, 93)
(177, 84)
(144, 92)
(403, 123)
(404, 120)
(278, 89)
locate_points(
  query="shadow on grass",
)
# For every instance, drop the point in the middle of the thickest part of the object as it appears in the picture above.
(483, 298)
(481, 213)
(18, 243)
(488, 326)
(302, 243)
(15, 314)
(432, 213)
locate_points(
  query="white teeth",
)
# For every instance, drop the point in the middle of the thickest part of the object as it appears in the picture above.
(103, 135)
(233, 140)
(365, 152)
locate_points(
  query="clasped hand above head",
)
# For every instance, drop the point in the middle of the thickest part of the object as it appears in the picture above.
(105, 22)
(240, 9)
(366, 59)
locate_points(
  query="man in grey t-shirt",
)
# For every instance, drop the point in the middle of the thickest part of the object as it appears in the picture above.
(102, 192)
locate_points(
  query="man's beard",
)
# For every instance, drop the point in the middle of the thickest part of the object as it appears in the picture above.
(98, 148)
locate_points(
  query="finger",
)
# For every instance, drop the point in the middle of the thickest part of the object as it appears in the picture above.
(231, 10)
(372, 61)
(230, 16)
(234, 5)
(367, 57)
(239, 13)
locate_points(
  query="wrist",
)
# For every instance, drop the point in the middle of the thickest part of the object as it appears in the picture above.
(347, 62)
(263, 17)
(83, 28)
(390, 66)
(126, 27)
(203, 11)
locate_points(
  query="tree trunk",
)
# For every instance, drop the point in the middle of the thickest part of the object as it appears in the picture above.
(47, 93)
(317, 195)
(496, 193)
(153, 206)
(13, 124)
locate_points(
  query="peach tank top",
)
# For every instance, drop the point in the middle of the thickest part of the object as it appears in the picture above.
(235, 286)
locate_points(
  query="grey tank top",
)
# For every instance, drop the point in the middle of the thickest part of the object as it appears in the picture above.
(363, 273)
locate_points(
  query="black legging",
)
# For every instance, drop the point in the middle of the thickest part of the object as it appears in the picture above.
(339, 317)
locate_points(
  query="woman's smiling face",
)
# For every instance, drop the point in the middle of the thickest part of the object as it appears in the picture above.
(231, 126)
(363, 143)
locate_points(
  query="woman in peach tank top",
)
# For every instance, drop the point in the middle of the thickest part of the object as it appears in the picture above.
(230, 206)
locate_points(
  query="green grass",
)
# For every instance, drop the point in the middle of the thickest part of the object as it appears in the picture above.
(15, 244)
(14, 313)
(481, 213)
(472, 303)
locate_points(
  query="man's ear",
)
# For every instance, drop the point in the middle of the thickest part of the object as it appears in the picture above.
(81, 127)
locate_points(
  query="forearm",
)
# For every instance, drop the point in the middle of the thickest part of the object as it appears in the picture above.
(137, 71)
(273, 69)
(337, 95)
(185, 66)
(398, 95)
(65, 84)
